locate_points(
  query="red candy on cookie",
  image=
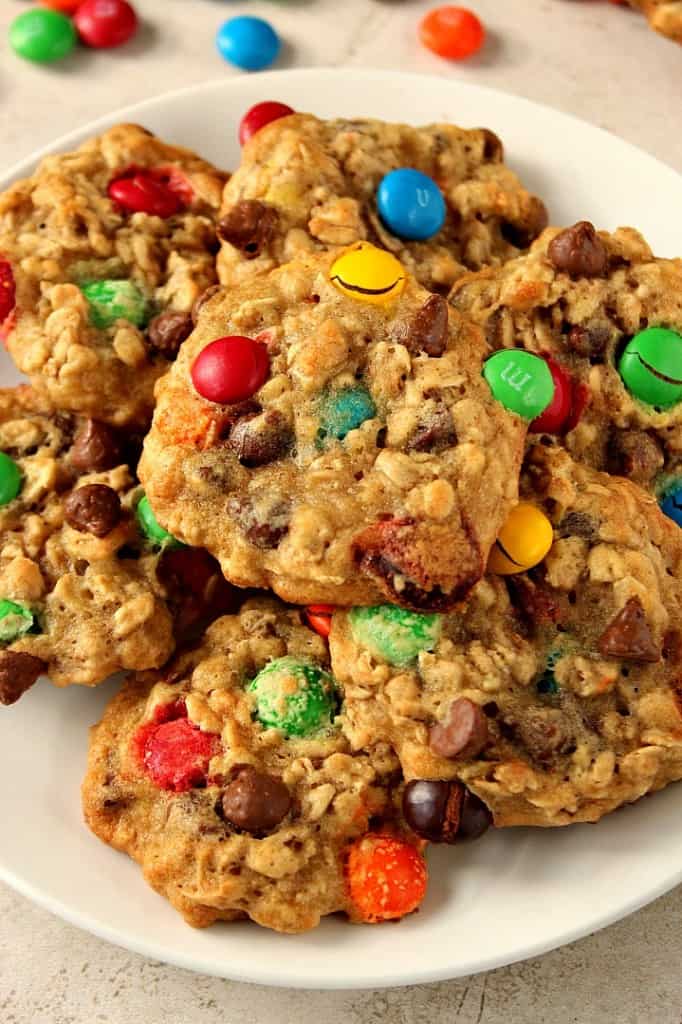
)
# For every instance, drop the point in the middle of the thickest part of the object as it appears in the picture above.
(386, 877)
(319, 618)
(141, 192)
(7, 290)
(260, 115)
(174, 752)
(231, 369)
(554, 418)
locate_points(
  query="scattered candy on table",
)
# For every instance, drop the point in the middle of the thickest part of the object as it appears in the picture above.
(651, 367)
(410, 204)
(10, 479)
(42, 35)
(231, 369)
(344, 410)
(247, 42)
(386, 877)
(151, 528)
(112, 300)
(523, 542)
(671, 502)
(452, 32)
(259, 115)
(295, 696)
(368, 274)
(520, 381)
(104, 24)
(394, 634)
(15, 620)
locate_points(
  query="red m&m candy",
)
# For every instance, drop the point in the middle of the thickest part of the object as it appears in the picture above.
(319, 618)
(105, 23)
(174, 752)
(452, 32)
(65, 6)
(142, 193)
(554, 418)
(260, 115)
(231, 369)
(7, 290)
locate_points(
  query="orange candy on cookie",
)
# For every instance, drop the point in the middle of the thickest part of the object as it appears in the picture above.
(386, 877)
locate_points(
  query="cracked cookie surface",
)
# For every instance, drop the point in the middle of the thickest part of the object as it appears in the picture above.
(553, 695)
(103, 290)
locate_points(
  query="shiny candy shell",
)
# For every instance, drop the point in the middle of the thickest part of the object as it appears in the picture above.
(15, 620)
(557, 415)
(10, 479)
(42, 36)
(651, 367)
(259, 115)
(112, 300)
(295, 696)
(523, 542)
(248, 42)
(410, 204)
(104, 24)
(7, 290)
(394, 634)
(231, 369)
(368, 274)
(520, 381)
(671, 502)
(452, 32)
(151, 528)
(141, 193)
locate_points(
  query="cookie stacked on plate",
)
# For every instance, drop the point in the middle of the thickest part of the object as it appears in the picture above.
(387, 423)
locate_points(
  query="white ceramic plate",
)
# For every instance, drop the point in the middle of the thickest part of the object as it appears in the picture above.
(514, 894)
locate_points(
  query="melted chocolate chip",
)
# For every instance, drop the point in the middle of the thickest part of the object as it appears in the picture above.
(463, 734)
(523, 235)
(579, 251)
(428, 330)
(167, 332)
(588, 341)
(18, 673)
(579, 524)
(434, 432)
(543, 733)
(628, 636)
(94, 508)
(254, 801)
(635, 454)
(96, 447)
(249, 226)
(262, 439)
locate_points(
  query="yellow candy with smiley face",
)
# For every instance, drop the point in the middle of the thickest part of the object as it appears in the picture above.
(368, 274)
(523, 542)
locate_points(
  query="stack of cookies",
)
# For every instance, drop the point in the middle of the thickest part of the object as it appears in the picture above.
(373, 482)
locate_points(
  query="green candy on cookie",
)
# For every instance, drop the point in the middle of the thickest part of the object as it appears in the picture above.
(651, 367)
(15, 620)
(393, 634)
(110, 301)
(151, 527)
(294, 695)
(10, 479)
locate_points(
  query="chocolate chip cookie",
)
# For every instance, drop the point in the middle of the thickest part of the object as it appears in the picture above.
(326, 432)
(608, 316)
(227, 778)
(103, 252)
(305, 184)
(85, 588)
(552, 695)
(665, 16)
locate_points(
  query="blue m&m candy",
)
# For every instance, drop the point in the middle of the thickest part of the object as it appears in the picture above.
(410, 204)
(671, 502)
(249, 43)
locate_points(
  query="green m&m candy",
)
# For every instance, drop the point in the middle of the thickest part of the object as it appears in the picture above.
(10, 479)
(520, 381)
(651, 367)
(42, 36)
(294, 695)
(344, 410)
(151, 527)
(115, 300)
(547, 684)
(15, 620)
(394, 634)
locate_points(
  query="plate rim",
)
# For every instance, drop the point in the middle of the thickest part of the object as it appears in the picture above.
(294, 977)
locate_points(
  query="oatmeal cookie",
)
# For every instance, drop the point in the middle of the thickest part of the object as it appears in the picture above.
(228, 780)
(665, 16)
(105, 250)
(306, 184)
(84, 591)
(553, 695)
(347, 449)
(596, 304)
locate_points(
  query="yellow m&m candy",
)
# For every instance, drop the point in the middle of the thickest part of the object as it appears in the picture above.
(523, 542)
(368, 274)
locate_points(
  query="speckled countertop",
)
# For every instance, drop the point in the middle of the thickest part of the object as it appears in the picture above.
(587, 57)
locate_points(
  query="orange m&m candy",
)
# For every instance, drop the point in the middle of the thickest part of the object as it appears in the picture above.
(452, 32)
(319, 618)
(386, 877)
(65, 6)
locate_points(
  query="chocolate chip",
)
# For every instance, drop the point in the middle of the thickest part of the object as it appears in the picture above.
(579, 251)
(262, 439)
(167, 332)
(629, 635)
(202, 299)
(464, 732)
(254, 801)
(635, 454)
(522, 235)
(434, 432)
(543, 733)
(493, 150)
(249, 226)
(474, 817)
(536, 603)
(494, 329)
(94, 508)
(262, 528)
(428, 330)
(588, 341)
(18, 673)
(96, 447)
(443, 812)
(579, 524)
